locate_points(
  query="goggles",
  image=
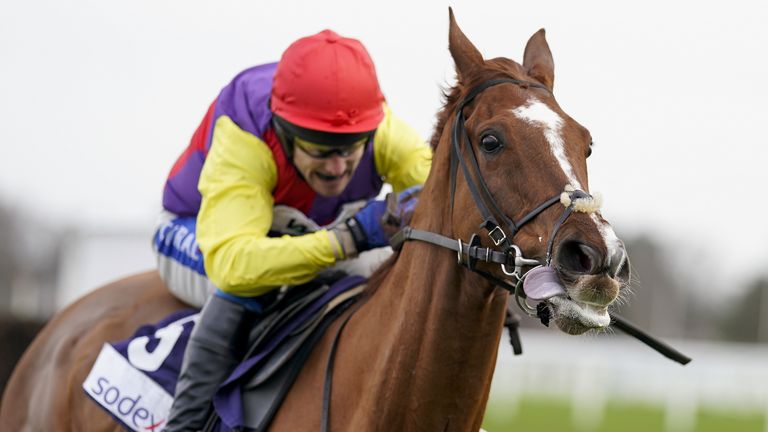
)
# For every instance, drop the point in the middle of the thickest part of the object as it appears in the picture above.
(319, 151)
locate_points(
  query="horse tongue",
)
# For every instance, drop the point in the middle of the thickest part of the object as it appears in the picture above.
(542, 283)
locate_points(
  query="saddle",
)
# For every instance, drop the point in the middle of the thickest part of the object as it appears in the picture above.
(134, 380)
(279, 345)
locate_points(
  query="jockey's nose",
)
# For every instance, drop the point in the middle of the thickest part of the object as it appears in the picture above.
(335, 165)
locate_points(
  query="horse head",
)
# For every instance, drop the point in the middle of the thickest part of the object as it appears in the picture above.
(513, 156)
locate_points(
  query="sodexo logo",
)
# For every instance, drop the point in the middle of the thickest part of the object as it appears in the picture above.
(128, 394)
(127, 406)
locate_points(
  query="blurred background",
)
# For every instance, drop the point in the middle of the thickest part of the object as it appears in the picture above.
(98, 98)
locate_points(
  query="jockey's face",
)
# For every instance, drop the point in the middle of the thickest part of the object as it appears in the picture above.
(328, 175)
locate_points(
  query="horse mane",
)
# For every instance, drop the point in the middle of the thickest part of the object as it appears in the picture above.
(500, 67)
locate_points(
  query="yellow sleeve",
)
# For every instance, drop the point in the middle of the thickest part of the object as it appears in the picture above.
(235, 215)
(402, 156)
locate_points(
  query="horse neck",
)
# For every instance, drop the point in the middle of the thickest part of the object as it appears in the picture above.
(434, 329)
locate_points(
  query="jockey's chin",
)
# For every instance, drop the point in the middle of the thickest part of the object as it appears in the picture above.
(327, 176)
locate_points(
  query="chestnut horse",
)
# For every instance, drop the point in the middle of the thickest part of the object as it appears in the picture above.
(419, 352)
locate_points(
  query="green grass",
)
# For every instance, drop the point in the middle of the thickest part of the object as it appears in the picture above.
(529, 415)
(720, 422)
(552, 415)
(631, 418)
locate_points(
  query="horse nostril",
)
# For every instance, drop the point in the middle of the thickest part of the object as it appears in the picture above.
(578, 258)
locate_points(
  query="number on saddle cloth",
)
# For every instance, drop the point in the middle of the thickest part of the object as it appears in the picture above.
(134, 380)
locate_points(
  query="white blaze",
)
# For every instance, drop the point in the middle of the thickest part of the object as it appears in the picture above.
(612, 242)
(537, 113)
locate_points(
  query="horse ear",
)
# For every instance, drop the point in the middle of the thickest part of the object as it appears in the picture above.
(464, 54)
(537, 60)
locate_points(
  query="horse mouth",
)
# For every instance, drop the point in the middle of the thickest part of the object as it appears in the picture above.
(579, 304)
(574, 317)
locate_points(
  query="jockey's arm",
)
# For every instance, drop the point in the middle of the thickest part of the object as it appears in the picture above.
(235, 216)
(236, 184)
(401, 155)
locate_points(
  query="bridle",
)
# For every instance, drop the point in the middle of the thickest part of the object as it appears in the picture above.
(508, 254)
(504, 252)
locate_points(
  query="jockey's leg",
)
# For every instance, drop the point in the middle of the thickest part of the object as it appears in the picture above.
(217, 344)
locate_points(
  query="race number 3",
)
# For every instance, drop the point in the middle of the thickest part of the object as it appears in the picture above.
(142, 358)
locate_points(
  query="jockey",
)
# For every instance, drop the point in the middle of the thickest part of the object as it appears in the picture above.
(299, 147)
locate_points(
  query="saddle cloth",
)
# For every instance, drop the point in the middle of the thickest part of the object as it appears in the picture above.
(134, 380)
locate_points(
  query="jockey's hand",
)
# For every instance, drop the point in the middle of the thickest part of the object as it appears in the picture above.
(372, 226)
(380, 220)
(366, 226)
(400, 209)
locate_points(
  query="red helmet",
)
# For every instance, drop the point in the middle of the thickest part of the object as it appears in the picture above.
(326, 82)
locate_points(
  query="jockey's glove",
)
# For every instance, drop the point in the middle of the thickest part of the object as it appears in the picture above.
(373, 225)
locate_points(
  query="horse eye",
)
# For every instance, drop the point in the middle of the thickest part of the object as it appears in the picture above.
(589, 149)
(489, 143)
